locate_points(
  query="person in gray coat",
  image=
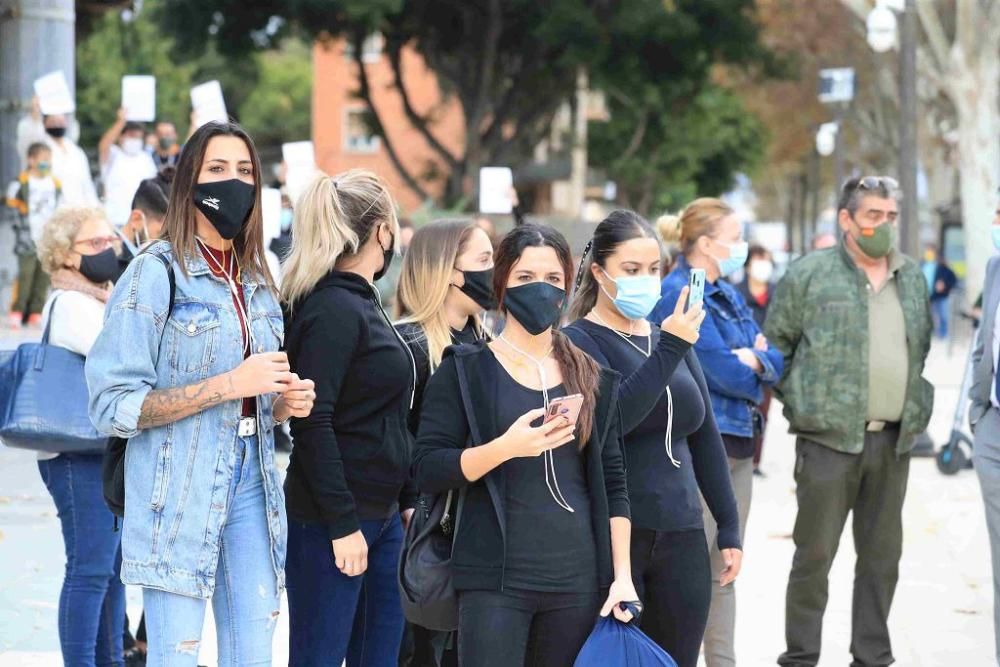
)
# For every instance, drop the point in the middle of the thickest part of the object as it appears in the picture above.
(984, 415)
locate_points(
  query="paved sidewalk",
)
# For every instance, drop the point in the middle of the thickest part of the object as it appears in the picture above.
(942, 615)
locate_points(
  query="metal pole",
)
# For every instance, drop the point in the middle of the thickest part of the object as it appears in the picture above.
(838, 152)
(909, 229)
(36, 37)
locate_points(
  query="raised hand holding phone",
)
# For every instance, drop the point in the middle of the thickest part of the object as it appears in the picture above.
(684, 323)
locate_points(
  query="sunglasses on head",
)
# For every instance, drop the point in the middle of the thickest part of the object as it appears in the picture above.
(878, 183)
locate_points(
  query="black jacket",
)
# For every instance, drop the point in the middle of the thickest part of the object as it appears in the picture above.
(458, 412)
(352, 453)
(416, 339)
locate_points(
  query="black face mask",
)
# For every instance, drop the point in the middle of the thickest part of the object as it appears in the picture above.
(536, 306)
(387, 256)
(56, 132)
(479, 287)
(226, 204)
(102, 267)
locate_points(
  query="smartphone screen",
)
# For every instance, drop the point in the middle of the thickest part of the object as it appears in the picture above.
(565, 406)
(696, 287)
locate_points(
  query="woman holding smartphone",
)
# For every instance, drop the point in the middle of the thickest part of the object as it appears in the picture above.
(197, 388)
(738, 364)
(542, 540)
(673, 447)
(351, 459)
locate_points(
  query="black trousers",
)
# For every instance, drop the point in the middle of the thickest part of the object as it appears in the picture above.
(528, 628)
(673, 577)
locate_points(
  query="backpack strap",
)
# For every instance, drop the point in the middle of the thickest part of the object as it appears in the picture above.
(169, 266)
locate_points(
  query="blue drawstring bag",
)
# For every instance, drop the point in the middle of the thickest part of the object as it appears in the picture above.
(613, 644)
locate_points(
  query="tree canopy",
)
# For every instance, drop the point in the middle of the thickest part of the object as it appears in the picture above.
(510, 64)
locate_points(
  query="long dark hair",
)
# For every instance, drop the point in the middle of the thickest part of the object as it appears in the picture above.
(620, 226)
(580, 373)
(180, 223)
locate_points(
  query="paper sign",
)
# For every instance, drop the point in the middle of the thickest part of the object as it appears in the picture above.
(270, 203)
(139, 97)
(208, 103)
(300, 166)
(53, 94)
(495, 185)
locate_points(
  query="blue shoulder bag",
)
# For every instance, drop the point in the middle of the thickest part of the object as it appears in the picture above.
(43, 399)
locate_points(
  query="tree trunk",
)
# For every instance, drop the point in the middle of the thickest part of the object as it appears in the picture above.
(975, 94)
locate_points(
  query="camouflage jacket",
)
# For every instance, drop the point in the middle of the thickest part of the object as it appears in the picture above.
(818, 318)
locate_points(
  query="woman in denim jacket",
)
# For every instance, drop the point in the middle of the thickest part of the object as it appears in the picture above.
(197, 389)
(738, 364)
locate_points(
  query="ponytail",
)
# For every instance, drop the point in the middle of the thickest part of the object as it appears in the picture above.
(333, 217)
(581, 375)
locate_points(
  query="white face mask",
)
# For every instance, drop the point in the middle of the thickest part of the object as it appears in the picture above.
(132, 145)
(761, 270)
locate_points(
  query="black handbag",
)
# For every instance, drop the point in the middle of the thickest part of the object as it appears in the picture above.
(424, 572)
(113, 465)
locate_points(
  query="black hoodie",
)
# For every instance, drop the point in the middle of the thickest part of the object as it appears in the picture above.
(352, 453)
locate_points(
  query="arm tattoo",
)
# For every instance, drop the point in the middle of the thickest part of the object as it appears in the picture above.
(165, 406)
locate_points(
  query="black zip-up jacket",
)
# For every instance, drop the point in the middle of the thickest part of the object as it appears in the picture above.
(353, 452)
(458, 412)
(416, 339)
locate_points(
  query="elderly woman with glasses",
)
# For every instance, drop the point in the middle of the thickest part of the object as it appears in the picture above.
(79, 249)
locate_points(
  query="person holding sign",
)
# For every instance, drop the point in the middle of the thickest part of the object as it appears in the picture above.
(69, 163)
(124, 164)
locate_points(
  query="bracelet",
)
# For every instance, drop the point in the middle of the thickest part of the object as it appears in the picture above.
(278, 422)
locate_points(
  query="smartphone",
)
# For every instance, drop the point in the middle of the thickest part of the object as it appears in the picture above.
(564, 406)
(696, 287)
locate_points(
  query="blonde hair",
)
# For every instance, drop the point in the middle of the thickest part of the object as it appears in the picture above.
(699, 218)
(426, 279)
(60, 232)
(334, 216)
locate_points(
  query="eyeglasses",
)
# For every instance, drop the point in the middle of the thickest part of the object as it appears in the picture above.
(878, 183)
(99, 243)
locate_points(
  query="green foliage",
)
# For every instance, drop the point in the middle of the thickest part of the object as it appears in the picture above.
(691, 151)
(674, 134)
(511, 63)
(269, 92)
(115, 48)
(278, 108)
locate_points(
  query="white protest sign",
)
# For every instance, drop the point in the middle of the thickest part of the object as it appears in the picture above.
(270, 204)
(208, 103)
(300, 166)
(53, 94)
(139, 97)
(495, 185)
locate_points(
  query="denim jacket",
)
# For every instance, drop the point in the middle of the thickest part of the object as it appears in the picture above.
(177, 477)
(736, 390)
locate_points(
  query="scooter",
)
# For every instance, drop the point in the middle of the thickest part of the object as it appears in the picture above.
(956, 454)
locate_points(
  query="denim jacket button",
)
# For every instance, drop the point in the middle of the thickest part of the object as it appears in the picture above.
(192, 328)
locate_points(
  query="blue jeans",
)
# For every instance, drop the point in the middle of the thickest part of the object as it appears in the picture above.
(940, 311)
(333, 616)
(246, 598)
(92, 602)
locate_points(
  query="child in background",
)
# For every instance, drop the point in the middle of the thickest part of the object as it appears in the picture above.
(34, 195)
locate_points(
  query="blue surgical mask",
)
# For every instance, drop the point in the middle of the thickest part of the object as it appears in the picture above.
(995, 233)
(738, 253)
(637, 295)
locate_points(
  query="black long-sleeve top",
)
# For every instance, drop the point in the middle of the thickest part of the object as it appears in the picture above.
(664, 497)
(352, 453)
(459, 411)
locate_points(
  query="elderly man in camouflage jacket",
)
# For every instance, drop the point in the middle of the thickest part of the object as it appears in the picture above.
(854, 325)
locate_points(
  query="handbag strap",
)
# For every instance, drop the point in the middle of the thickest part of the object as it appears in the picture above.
(171, 280)
(48, 324)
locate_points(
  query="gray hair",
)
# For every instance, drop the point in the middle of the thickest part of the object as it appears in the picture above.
(858, 188)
